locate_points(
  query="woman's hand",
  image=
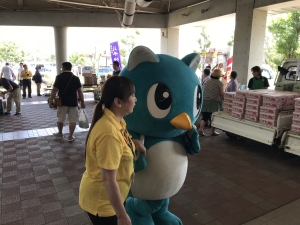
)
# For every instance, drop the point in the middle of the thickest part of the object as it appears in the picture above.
(124, 220)
(139, 147)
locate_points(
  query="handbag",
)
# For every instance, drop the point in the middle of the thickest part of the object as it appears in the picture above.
(57, 99)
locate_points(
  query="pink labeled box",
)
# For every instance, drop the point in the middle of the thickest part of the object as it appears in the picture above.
(296, 121)
(271, 110)
(255, 94)
(254, 101)
(240, 99)
(252, 106)
(268, 122)
(289, 105)
(295, 128)
(229, 95)
(228, 110)
(238, 109)
(268, 116)
(237, 114)
(252, 112)
(242, 93)
(297, 101)
(276, 97)
(297, 108)
(228, 100)
(296, 115)
(239, 104)
(251, 118)
(227, 105)
(273, 104)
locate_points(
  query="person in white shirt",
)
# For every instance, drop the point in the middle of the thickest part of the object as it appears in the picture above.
(19, 76)
(7, 72)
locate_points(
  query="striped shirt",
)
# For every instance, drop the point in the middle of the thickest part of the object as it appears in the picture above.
(211, 89)
(205, 79)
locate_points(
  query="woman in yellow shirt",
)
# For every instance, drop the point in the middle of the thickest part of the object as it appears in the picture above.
(110, 155)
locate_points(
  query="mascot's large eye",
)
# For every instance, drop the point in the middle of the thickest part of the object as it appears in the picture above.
(197, 101)
(159, 100)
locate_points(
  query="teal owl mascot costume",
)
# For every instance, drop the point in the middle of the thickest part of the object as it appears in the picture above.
(169, 100)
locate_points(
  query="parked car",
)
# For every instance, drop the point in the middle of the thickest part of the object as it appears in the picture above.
(103, 71)
(269, 74)
(87, 69)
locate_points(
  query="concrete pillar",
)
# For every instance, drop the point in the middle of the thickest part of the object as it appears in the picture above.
(170, 42)
(60, 36)
(249, 39)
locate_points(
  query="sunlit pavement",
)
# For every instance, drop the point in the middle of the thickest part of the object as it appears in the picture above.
(228, 182)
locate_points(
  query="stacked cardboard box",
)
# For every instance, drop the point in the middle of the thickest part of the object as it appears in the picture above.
(273, 103)
(296, 116)
(254, 101)
(239, 104)
(228, 101)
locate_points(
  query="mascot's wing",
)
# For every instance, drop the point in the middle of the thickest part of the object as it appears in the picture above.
(140, 163)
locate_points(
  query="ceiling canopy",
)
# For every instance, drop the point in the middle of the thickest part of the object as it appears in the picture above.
(109, 6)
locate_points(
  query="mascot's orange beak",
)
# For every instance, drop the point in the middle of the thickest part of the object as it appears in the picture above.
(182, 121)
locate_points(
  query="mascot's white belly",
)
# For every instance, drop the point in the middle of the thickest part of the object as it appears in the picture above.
(165, 172)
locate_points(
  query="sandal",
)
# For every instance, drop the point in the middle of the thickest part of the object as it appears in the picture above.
(18, 113)
(6, 113)
(215, 133)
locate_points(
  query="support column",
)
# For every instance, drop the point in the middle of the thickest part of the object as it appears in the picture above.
(60, 35)
(249, 39)
(169, 43)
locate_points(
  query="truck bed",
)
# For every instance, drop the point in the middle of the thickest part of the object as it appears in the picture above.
(248, 129)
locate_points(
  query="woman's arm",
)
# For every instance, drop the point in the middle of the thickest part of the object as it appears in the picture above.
(114, 195)
(222, 91)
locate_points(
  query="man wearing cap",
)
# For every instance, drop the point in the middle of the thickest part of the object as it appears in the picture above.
(7, 72)
(37, 78)
(26, 76)
(14, 95)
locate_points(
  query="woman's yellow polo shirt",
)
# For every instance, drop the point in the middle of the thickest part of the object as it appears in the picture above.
(107, 149)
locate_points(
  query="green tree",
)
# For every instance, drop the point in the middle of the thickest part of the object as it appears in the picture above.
(52, 58)
(203, 41)
(10, 52)
(204, 44)
(285, 32)
(78, 58)
(127, 44)
(231, 42)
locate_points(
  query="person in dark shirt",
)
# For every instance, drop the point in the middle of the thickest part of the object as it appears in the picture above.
(37, 78)
(14, 95)
(67, 85)
(257, 81)
(116, 68)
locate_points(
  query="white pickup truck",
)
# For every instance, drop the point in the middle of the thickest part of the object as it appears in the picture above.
(280, 135)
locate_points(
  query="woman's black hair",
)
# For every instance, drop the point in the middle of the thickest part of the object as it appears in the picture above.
(256, 69)
(115, 87)
(233, 74)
